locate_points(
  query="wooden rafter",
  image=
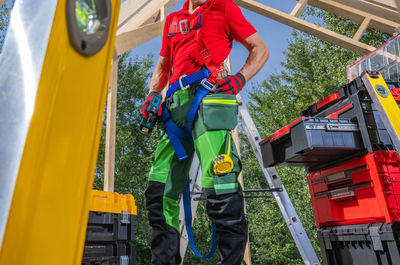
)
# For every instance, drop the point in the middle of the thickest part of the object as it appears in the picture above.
(143, 15)
(385, 3)
(371, 8)
(143, 26)
(131, 39)
(298, 9)
(355, 14)
(364, 25)
(129, 9)
(310, 28)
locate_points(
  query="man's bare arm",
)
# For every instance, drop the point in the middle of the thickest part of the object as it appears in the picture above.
(160, 75)
(258, 56)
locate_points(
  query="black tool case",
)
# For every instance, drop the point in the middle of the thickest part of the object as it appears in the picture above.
(115, 253)
(353, 102)
(110, 229)
(364, 244)
(312, 142)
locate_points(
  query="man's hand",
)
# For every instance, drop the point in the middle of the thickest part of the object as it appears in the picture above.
(145, 108)
(232, 84)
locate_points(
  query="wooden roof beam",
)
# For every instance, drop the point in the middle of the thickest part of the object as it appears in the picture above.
(310, 28)
(142, 27)
(385, 3)
(129, 9)
(371, 8)
(143, 15)
(355, 15)
(157, 16)
(299, 8)
(363, 27)
(131, 39)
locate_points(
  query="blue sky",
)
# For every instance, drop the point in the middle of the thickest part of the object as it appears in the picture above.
(274, 34)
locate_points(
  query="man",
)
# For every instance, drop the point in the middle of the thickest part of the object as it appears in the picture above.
(196, 41)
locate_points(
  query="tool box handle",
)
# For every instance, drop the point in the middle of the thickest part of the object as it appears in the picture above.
(347, 192)
(349, 195)
(340, 194)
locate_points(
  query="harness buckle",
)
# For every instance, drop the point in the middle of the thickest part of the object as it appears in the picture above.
(181, 84)
(207, 85)
(185, 29)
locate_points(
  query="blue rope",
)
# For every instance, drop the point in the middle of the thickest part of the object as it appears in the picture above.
(188, 221)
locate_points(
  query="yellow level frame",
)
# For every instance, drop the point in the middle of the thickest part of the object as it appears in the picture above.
(49, 209)
(385, 104)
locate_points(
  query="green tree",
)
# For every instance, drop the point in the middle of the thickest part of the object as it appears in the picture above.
(133, 151)
(5, 11)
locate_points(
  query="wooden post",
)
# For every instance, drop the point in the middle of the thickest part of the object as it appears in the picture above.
(235, 137)
(109, 163)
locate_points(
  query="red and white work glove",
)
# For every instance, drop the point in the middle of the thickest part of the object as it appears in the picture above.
(146, 104)
(232, 84)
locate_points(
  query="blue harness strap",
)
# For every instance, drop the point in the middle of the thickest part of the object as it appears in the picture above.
(176, 134)
(200, 94)
(188, 221)
(188, 80)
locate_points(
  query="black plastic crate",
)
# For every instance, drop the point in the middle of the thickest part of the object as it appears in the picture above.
(122, 252)
(364, 244)
(355, 104)
(103, 227)
(101, 261)
(312, 142)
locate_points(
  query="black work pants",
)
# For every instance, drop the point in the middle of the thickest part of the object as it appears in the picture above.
(225, 211)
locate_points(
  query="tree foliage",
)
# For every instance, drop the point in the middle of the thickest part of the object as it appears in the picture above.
(133, 151)
(313, 69)
(4, 21)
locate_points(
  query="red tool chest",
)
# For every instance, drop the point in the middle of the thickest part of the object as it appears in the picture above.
(362, 190)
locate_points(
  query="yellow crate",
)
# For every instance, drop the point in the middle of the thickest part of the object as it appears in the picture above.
(112, 202)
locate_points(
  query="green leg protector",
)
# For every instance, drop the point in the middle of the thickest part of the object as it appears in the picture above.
(208, 146)
(173, 173)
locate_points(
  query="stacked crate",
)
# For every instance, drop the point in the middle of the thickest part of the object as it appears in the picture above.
(354, 175)
(110, 230)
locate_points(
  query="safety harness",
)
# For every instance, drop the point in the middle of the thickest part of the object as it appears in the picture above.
(207, 78)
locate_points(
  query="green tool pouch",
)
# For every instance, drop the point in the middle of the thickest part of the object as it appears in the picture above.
(227, 183)
(219, 111)
(179, 106)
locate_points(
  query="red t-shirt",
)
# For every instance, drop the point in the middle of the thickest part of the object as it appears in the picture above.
(221, 24)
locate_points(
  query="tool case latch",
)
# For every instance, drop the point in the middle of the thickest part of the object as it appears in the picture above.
(327, 240)
(125, 217)
(375, 237)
